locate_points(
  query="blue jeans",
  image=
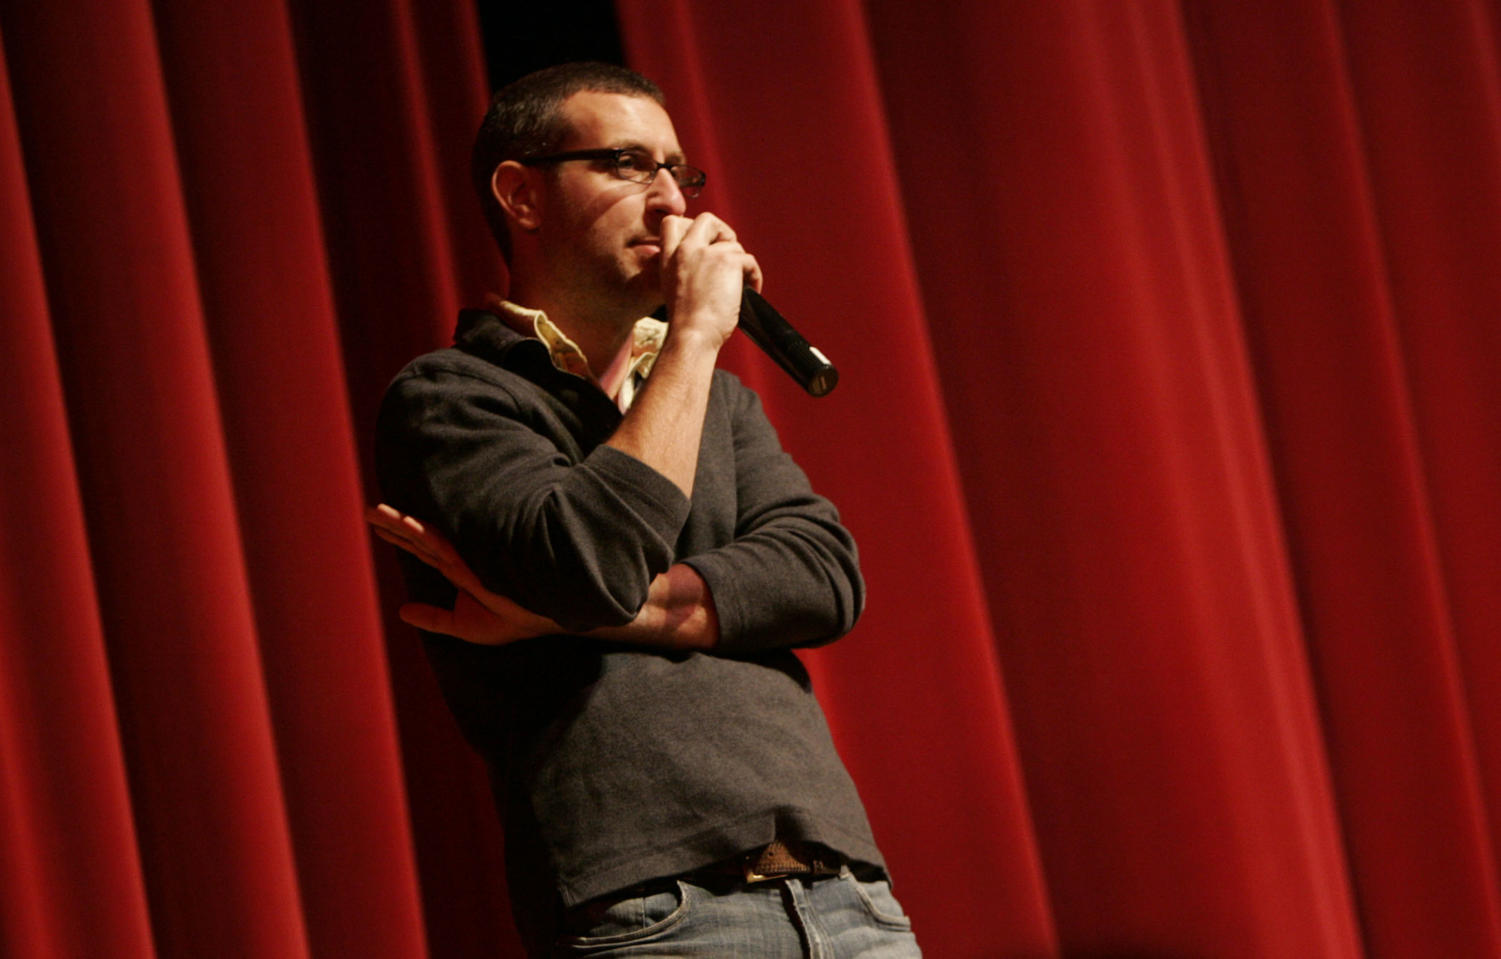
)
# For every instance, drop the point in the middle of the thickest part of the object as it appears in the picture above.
(832, 917)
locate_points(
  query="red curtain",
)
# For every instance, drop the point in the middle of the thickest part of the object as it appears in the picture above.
(1169, 426)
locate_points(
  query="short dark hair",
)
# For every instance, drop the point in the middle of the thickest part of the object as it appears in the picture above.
(524, 121)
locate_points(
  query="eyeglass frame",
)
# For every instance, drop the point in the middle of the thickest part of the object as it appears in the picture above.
(613, 154)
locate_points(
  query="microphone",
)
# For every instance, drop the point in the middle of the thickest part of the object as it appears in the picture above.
(774, 335)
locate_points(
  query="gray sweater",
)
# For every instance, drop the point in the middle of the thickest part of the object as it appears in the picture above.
(616, 764)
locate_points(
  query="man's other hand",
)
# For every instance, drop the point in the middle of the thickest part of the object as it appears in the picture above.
(478, 615)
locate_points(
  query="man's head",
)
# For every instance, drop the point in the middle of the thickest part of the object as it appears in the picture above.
(583, 212)
(526, 119)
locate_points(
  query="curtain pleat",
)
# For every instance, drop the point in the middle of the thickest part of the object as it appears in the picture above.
(1077, 286)
(168, 561)
(64, 802)
(280, 380)
(1428, 83)
(1314, 248)
(1167, 428)
(177, 222)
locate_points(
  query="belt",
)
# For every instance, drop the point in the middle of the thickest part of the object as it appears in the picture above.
(783, 857)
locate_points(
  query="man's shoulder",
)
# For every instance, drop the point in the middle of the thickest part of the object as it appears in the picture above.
(456, 379)
(484, 350)
(452, 360)
(448, 368)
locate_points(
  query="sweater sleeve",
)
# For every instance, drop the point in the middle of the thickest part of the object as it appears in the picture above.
(791, 574)
(575, 536)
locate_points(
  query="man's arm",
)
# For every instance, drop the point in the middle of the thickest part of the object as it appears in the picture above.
(790, 577)
(574, 534)
(678, 614)
(704, 271)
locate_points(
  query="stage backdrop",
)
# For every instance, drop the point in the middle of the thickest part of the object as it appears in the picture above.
(1170, 429)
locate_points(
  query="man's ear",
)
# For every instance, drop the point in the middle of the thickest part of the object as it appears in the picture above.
(515, 189)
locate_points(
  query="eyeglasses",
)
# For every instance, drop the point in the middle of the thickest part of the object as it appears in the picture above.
(634, 165)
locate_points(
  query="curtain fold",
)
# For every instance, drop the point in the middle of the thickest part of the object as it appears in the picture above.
(187, 293)
(1322, 253)
(280, 380)
(1060, 205)
(1430, 80)
(1167, 428)
(153, 477)
(64, 802)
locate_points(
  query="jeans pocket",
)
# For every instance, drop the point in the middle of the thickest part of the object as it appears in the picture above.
(880, 903)
(634, 915)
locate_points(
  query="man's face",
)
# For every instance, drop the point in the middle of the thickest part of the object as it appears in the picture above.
(602, 234)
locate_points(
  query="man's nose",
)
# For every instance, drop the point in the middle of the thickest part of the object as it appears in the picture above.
(665, 195)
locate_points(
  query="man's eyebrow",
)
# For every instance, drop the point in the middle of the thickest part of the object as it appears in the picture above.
(674, 157)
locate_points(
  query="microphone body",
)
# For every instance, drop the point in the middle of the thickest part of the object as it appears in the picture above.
(774, 335)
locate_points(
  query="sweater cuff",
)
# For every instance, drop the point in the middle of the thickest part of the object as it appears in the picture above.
(729, 605)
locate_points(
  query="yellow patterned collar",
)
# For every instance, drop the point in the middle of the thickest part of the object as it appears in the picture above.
(568, 357)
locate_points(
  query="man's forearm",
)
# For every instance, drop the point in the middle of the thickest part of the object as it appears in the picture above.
(679, 614)
(665, 425)
(704, 273)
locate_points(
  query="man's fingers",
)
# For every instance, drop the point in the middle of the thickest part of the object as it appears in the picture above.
(382, 516)
(709, 232)
(416, 547)
(397, 539)
(478, 615)
(753, 277)
(702, 230)
(707, 228)
(408, 533)
(388, 522)
(465, 621)
(670, 232)
(431, 619)
(388, 517)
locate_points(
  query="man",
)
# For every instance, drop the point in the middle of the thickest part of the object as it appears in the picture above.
(645, 557)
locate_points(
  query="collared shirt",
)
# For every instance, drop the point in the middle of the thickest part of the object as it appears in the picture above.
(568, 357)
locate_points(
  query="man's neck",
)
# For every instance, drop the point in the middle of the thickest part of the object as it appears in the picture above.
(605, 338)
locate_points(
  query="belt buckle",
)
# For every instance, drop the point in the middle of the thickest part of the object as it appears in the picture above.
(784, 858)
(748, 869)
(780, 861)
